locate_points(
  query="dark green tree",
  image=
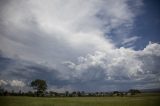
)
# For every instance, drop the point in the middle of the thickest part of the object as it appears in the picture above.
(2, 91)
(40, 86)
(134, 91)
(67, 93)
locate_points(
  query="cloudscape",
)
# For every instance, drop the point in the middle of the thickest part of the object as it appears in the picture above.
(91, 45)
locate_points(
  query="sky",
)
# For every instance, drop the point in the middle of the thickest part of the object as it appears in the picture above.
(85, 45)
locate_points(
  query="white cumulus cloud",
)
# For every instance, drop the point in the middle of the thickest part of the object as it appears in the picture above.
(73, 37)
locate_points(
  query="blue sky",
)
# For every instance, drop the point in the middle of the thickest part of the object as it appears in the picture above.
(147, 24)
(90, 45)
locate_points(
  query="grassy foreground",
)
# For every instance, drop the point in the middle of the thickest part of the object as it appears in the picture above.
(145, 100)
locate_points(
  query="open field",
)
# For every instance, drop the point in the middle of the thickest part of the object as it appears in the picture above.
(141, 100)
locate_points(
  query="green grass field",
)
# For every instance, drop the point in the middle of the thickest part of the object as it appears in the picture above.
(141, 100)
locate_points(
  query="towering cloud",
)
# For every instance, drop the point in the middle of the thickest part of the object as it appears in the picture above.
(72, 42)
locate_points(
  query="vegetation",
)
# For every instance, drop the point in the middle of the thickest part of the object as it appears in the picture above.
(40, 86)
(140, 100)
(132, 97)
(67, 93)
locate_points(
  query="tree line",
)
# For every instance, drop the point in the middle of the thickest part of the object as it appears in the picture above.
(40, 86)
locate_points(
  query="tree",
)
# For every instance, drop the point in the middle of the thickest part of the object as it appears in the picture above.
(79, 93)
(2, 91)
(40, 86)
(66, 93)
(134, 91)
